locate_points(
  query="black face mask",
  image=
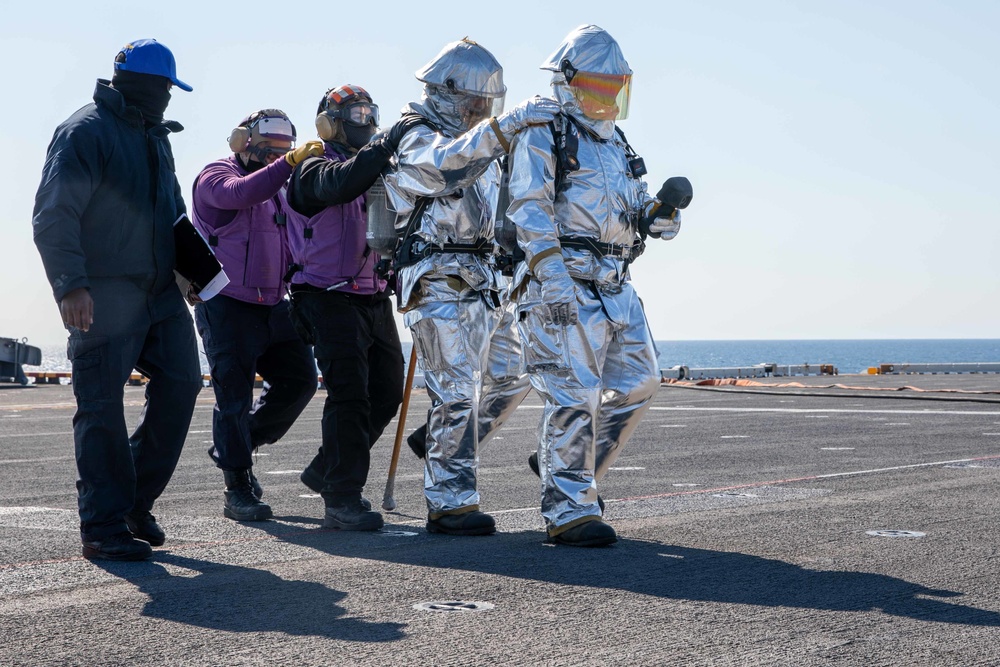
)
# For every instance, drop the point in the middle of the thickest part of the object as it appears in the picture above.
(251, 165)
(357, 137)
(147, 92)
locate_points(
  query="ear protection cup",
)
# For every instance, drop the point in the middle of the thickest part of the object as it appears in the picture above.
(239, 139)
(326, 127)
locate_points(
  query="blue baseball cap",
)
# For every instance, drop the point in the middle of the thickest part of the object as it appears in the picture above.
(147, 56)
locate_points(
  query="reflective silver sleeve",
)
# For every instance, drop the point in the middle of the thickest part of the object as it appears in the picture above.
(430, 164)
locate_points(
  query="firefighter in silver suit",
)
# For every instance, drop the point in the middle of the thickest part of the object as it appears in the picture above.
(443, 185)
(587, 344)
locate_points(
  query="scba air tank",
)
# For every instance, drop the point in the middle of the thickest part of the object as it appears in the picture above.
(381, 232)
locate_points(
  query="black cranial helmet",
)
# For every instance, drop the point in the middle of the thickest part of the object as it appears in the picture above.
(347, 115)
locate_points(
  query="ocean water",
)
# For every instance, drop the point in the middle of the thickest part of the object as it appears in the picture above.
(848, 356)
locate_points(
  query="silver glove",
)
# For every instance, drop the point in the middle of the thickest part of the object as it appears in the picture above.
(666, 228)
(558, 291)
(536, 111)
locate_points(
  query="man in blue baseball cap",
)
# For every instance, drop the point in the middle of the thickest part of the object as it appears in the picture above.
(103, 224)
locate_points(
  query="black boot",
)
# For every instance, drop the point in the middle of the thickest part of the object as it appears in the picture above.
(258, 490)
(533, 464)
(241, 503)
(469, 523)
(121, 546)
(143, 526)
(352, 514)
(418, 441)
(594, 533)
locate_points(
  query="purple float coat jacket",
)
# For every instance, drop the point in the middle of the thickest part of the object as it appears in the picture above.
(330, 247)
(243, 216)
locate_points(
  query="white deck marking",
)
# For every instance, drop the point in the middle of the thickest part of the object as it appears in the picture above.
(809, 478)
(992, 413)
(41, 460)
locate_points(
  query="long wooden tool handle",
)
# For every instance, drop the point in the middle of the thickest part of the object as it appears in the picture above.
(390, 483)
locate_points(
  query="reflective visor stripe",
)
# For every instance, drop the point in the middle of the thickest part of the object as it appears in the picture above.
(347, 92)
(606, 86)
(275, 128)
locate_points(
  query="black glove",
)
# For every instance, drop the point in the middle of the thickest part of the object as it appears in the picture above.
(400, 128)
(676, 192)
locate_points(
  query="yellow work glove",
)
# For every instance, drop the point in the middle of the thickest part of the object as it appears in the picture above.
(308, 149)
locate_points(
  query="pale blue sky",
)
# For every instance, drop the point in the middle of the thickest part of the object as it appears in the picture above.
(844, 155)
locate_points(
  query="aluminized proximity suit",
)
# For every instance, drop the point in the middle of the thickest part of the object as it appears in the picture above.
(450, 291)
(451, 301)
(596, 375)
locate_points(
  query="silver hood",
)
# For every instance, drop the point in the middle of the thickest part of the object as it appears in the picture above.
(589, 48)
(465, 66)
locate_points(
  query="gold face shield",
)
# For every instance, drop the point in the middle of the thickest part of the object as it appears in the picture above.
(602, 96)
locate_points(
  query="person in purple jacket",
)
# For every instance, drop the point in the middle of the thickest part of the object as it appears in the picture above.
(341, 305)
(240, 207)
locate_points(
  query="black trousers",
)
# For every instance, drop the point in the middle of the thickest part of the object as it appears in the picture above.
(358, 352)
(154, 335)
(241, 341)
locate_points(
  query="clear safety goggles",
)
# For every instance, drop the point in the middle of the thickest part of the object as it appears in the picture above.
(602, 96)
(357, 113)
(263, 153)
(274, 127)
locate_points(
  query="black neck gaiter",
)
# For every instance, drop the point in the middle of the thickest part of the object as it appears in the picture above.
(250, 164)
(149, 93)
(357, 137)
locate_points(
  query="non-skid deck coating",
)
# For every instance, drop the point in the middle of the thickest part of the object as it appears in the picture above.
(744, 519)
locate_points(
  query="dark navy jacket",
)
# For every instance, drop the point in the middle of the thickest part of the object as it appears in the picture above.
(108, 198)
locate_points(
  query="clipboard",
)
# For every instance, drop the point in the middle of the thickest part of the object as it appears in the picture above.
(196, 263)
